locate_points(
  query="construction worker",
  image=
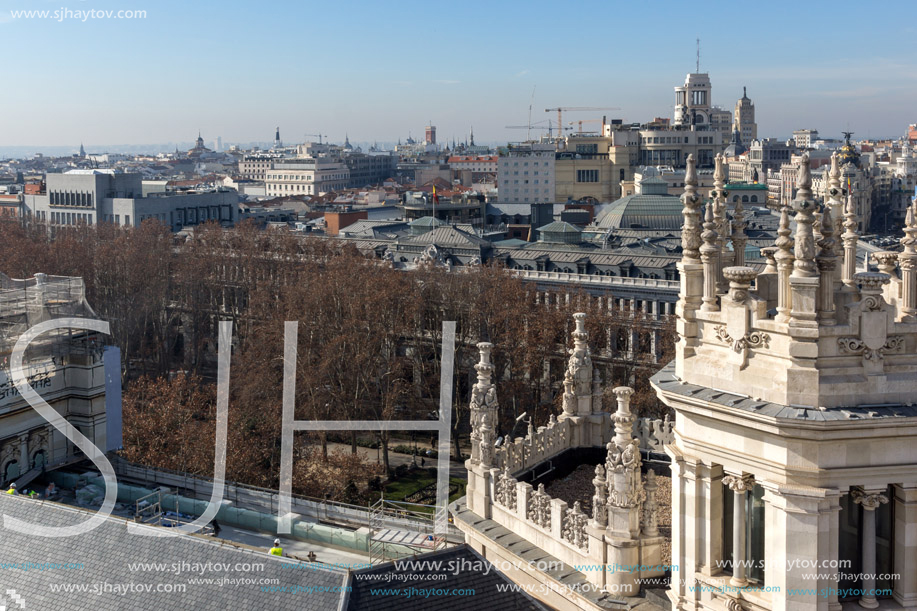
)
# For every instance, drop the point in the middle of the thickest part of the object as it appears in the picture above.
(12, 489)
(276, 550)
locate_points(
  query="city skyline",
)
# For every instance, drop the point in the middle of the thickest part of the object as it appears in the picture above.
(385, 73)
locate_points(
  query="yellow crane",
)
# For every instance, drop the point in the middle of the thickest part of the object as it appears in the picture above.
(579, 124)
(560, 110)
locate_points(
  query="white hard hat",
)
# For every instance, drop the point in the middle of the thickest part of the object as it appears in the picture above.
(276, 541)
(13, 485)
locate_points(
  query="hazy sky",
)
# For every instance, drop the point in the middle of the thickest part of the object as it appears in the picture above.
(378, 70)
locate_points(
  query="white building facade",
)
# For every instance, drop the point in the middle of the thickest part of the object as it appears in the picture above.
(794, 475)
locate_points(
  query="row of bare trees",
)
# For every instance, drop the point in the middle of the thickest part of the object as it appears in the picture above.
(368, 339)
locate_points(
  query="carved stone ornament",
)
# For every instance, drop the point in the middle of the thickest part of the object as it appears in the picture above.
(574, 527)
(539, 510)
(741, 345)
(869, 500)
(739, 483)
(853, 345)
(506, 490)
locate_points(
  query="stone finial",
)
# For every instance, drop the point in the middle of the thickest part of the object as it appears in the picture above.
(827, 241)
(887, 261)
(850, 238)
(850, 218)
(650, 524)
(690, 233)
(771, 262)
(623, 394)
(804, 178)
(600, 498)
(709, 254)
(739, 239)
(484, 367)
(719, 174)
(871, 282)
(740, 279)
(569, 398)
(908, 262)
(909, 241)
(580, 335)
(804, 263)
(784, 242)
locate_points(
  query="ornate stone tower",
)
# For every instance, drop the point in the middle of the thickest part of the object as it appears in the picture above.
(483, 411)
(795, 456)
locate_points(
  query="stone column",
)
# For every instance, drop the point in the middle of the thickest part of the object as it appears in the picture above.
(905, 588)
(24, 454)
(710, 482)
(687, 523)
(870, 501)
(801, 526)
(739, 484)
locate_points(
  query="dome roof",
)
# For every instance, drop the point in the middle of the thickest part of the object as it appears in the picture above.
(643, 211)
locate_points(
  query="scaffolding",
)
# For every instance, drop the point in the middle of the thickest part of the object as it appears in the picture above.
(26, 303)
(149, 510)
(399, 529)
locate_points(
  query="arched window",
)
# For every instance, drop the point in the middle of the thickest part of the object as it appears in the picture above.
(735, 198)
(744, 199)
(754, 199)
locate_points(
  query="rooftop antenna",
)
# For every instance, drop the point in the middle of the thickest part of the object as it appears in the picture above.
(698, 55)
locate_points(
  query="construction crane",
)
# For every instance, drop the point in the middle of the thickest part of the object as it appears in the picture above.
(579, 124)
(561, 110)
(532, 126)
(319, 136)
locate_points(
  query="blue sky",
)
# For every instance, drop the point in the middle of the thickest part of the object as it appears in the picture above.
(377, 70)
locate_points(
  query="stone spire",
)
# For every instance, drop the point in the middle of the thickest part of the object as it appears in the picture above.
(483, 408)
(690, 234)
(804, 265)
(719, 218)
(826, 261)
(739, 238)
(709, 254)
(784, 258)
(579, 367)
(850, 239)
(907, 259)
(622, 468)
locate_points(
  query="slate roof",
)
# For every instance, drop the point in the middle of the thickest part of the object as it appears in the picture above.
(560, 227)
(106, 551)
(474, 573)
(665, 379)
(448, 236)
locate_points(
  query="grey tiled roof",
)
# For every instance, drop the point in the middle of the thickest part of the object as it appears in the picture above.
(459, 565)
(106, 551)
(448, 236)
(665, 379)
